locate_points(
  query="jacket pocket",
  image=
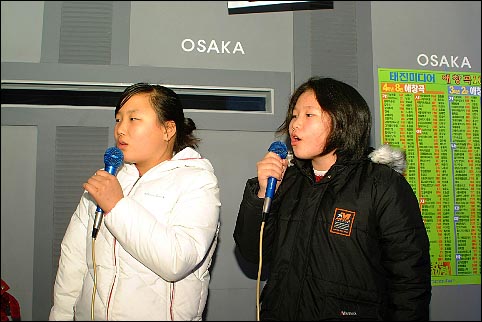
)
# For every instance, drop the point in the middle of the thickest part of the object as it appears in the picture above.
(337, 301)
(350, 309)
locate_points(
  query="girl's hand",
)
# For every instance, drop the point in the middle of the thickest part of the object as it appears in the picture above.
(270, 166)
(105, 189)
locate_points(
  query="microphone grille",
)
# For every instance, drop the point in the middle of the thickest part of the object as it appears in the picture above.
(279, 148)
(113, 157)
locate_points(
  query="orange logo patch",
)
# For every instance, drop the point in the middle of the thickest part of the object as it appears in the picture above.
(342, 222)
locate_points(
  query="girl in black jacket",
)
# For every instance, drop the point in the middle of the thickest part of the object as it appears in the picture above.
(344, 239)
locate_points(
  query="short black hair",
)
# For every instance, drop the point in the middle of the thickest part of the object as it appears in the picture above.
(349, 112)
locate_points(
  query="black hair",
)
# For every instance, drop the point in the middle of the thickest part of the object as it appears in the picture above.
(168, 107)
(349, 112)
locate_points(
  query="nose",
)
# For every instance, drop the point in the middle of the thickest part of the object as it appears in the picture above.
(295, 124)
(120, 128)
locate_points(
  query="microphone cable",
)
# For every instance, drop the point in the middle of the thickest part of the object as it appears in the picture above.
(94, 289)
(113, 159)
(260, 266)
(281, 150)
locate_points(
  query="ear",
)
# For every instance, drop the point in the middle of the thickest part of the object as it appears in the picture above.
(169, 130)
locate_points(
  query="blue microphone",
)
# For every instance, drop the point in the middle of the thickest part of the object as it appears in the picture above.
(113, 159)
(280, 149)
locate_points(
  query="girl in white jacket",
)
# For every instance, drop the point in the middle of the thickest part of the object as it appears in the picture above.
(151, 256)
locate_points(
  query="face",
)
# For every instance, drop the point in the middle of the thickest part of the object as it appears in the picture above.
(309, 129)
(140, 136)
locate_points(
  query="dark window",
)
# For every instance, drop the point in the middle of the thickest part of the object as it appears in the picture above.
(109, 99)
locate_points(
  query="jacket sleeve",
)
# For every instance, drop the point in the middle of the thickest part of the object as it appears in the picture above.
(175, 248)
(405, 251)
(248, 224)
(72, 265)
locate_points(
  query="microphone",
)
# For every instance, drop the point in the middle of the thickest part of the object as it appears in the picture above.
(113, 158)
(280, 149)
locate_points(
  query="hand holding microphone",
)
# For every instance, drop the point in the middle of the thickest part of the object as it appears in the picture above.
(105, 189)
(271, 168)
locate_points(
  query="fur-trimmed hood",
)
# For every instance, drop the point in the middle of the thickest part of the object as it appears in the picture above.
(393, 157)
(385, 154)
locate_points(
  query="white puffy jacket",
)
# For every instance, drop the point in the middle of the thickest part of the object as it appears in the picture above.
(153, 249)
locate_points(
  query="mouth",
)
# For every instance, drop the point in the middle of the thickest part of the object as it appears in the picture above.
(295, 140)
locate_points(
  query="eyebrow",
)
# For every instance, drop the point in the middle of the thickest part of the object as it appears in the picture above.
(308, 107)
(128, 111)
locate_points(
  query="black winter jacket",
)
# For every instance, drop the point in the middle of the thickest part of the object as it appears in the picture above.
(352, 246)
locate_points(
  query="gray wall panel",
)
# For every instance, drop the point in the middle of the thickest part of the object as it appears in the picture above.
(283, 49)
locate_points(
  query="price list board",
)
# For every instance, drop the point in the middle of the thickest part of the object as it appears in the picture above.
(435, 117)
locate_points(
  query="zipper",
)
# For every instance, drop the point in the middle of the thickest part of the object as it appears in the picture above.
(115, 260)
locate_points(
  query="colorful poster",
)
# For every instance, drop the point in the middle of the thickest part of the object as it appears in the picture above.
(435, 117)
